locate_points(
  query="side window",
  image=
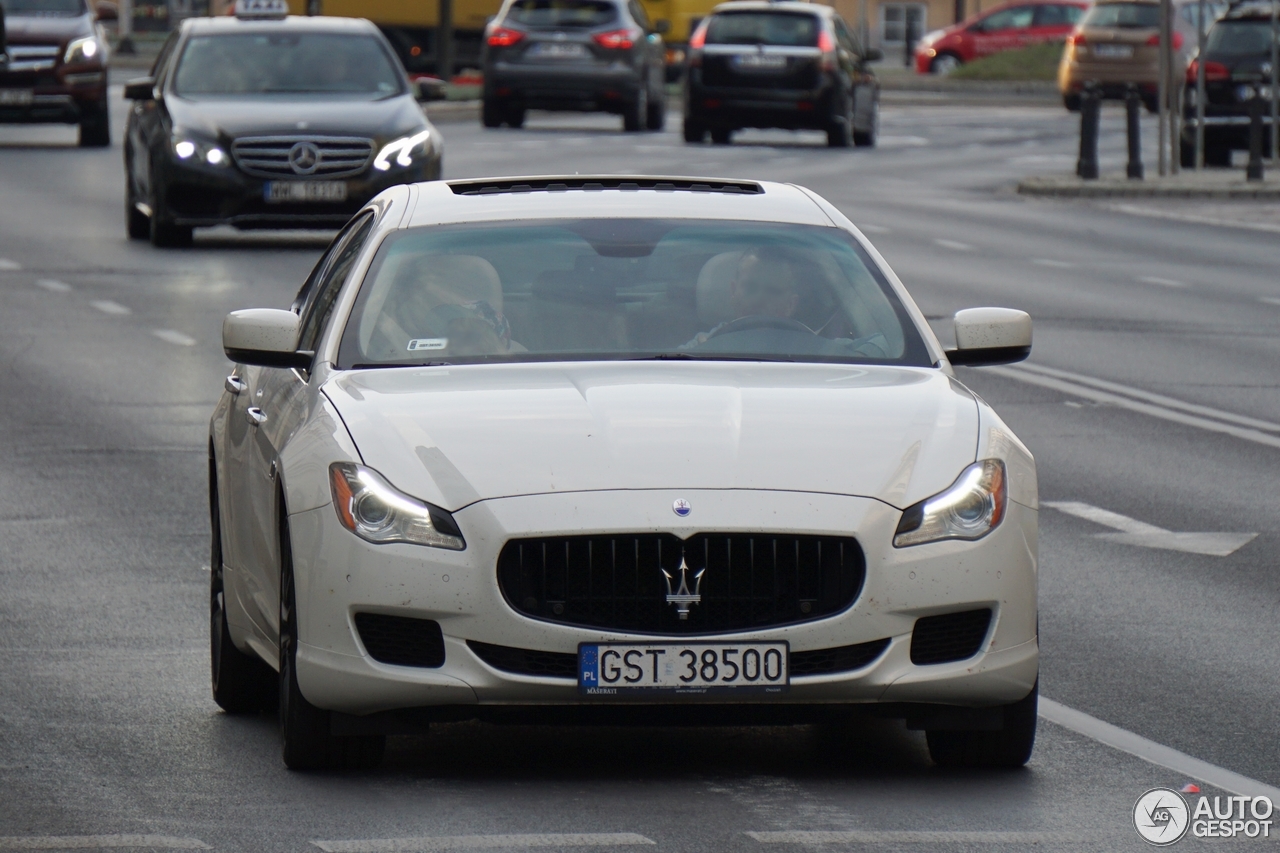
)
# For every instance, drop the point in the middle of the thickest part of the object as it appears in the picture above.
(638, 13)
(845, 38)
(1054, 16)
(1018, 18)
(324, 292)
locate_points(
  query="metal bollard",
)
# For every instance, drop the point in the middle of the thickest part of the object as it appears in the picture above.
(1090, 108)
(1253, 172)
(1132, 114)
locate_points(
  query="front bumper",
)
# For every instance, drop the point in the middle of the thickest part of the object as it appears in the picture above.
(55, 98)
(339, 575)
(198, 195)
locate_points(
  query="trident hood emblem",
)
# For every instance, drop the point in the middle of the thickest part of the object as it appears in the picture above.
(682, 598)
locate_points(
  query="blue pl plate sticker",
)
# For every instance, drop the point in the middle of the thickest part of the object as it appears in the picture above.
(588, 666)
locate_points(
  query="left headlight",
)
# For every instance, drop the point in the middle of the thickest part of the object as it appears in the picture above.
(403, 150)
(377, 512)
(85, 49)
(970, 509)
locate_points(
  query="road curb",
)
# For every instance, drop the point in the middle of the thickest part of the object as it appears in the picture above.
(1214, 184)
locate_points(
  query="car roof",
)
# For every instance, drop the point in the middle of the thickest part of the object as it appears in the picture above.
(775, 6)
(611, 197)
(293, 23)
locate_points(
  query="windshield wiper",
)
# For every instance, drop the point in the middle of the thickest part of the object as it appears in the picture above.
(690, 356)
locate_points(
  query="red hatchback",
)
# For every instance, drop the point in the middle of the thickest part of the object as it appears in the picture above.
(1006, 27)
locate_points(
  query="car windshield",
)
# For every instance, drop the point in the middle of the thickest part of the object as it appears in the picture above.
(1249, 37)
(1124, 15)
(588, 290)
(777, 28)
(286, 63)
(562, 13)
(58, 8)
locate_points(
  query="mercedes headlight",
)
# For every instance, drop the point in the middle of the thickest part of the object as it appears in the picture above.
(403, 150)
(87, 49)
(189, 149)
(970, 509)
(377, 512)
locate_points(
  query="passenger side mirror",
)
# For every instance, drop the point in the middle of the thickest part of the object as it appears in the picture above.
(991, 336)
(662, 26)
(873, 54)
(141, 89)
(106, 11)
(429, 89)
(264, 337)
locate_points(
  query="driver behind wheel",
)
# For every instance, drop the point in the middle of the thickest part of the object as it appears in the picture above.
(764, 285)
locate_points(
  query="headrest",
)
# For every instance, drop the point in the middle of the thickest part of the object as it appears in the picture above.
(714, 283)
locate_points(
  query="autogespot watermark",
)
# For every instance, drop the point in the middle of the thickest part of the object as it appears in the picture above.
(1163, 816)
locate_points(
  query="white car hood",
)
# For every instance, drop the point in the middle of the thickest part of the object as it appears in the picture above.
(455, 435)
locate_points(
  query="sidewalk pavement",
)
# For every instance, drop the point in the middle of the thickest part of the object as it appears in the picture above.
(1207, 184)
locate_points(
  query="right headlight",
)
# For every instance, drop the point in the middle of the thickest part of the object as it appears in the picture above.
(970, 509)
(82, 50)
(192, 149)
(403, 151)
(377, 512)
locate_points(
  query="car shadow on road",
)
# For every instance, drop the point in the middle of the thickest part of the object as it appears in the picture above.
(249, 241)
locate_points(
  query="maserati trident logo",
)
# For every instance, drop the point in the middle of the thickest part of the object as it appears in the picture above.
(682, 598)
(681, 507)
(304, 158)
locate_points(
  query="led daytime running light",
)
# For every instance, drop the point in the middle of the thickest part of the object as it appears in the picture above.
(971, 508)
(374, 510)
(402, 149)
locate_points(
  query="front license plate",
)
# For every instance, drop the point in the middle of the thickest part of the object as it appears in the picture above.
(16, 97)
(558, 51)
(1113, 51)
(304, 191)
(634, 669)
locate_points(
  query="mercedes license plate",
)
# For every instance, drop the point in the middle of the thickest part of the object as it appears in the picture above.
(305, 191)
(558, 51)
(1113, 51)
(760, 62)
(16, 97)
(677, 668)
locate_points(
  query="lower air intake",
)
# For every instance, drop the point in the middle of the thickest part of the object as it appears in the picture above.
(949, 637)
(401, 640)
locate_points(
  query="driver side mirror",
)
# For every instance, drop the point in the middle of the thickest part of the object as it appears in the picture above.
(991, 336)
(264, 337)
(141, 89)
(429, 89)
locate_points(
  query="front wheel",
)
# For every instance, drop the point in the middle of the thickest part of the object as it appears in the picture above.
(1008, 747)
(137, 223)
(721, 136)
(95, 126)
(944, 64)
(694, 132)
(657, 116)
(636, 112)
(867, 138)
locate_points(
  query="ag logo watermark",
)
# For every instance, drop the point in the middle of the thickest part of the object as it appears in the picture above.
(1163, 816)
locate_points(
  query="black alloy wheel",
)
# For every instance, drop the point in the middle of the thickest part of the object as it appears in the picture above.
(306, 742)
(95, 126)
(242, 683)
(721, 136)
(636, 113)
(694, 131)
(1009, 747)
(492, 113)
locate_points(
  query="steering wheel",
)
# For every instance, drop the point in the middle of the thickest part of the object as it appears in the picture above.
(761, 321)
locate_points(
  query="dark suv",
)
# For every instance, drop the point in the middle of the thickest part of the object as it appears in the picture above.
(55, 68)
(780, 64)
(586, 55)
(1237, 58)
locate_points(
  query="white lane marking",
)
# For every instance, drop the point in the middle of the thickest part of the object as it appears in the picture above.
(865, 836)
(53, 285)
(875, 229)
(83, 842)
(1155, 753)
(954, 245)
(174, 337)
(1050, 262)
(1163, 282)
(903, 141)
(106, 306)
(1078, 390)
(1270, 300)
(471, 842)
(8, 265)
(1134, 532)
(1160, 213)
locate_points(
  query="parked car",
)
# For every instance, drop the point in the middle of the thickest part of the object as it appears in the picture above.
(584, 55)
(268, 121)
(1237, 59)
(1007, 27)
(56, 68)
(780, 64)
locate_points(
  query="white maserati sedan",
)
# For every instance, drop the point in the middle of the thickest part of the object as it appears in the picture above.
(602, 450)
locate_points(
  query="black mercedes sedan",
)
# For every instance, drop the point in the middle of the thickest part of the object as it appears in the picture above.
(270, 122)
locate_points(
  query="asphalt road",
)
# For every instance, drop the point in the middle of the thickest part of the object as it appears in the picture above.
(1151, 394)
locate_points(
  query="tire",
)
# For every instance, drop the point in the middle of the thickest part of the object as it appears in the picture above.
(137, 223)
(1152, 104)
(515, 117)
(635, 113)
(944, 64)
(694, 132)
(242, 684)
(491, 113)
(1187, 154)
(840, 131)
(1217, 154)
(721, 136)
(95, 126)
(164, 233)
(1009, 747)
(867, 138)
(656, 118)
(1072, 103)
(306, 743)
